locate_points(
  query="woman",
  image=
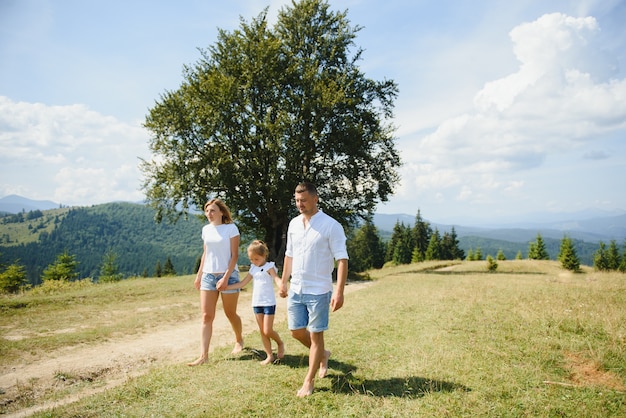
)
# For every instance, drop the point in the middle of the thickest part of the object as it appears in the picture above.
(218, 269)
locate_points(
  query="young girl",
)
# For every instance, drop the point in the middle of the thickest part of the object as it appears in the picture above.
(263, 298)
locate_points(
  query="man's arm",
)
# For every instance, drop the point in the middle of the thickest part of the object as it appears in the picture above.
(287, 263)
(336, 302)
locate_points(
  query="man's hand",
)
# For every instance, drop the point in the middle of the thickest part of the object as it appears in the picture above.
(336, 302)
(282, 292)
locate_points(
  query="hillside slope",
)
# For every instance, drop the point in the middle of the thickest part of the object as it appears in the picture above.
(126, 229)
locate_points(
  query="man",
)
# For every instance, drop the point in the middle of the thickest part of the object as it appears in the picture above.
(314, 242)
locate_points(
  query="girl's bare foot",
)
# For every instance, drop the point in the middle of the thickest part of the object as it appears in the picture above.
(324, 365)
(238, 348)
(268, 360)
(198, 362)
(281, 350)
(305, 390)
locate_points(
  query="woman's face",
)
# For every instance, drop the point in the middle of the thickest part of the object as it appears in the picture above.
(213, 214)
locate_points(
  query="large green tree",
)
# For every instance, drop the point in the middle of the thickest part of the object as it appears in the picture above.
(266, 108)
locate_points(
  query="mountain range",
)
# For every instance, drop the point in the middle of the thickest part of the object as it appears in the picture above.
(589, 226)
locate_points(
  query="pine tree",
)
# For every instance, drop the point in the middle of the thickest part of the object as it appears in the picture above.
(421, 233)
(537, 250)
(622, 264)
(500, 256)
(567, 255)
(433, 252)
(478, 254)
(64, 269)
(470, 255)
(492, 265)
(519, 256)
(13, 278)
(450, 249)
(366, 248)
(168, 268)
(157, 271)
(600, 258)
(109, 272)
(613, 257)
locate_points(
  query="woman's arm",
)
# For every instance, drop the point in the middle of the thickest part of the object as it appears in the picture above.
(196, 282)
(222, 284)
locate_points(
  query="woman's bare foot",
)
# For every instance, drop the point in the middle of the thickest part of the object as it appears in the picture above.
(305, 390)
(268, 360)
(238, 348)
(324, 365)
(281, 350)
(198, 362)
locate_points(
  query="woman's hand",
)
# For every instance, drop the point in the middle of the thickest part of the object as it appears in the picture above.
(196, 283)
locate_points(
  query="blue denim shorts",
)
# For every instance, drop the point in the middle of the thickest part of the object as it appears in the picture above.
(265, 310)
(308, 311)
(209, 281)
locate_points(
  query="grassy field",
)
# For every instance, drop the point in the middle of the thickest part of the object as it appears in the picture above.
(530, 340)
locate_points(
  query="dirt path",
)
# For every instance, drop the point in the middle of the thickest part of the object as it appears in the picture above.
(110, 364)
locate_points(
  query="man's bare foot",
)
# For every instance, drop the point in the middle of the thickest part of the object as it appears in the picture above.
(268, 360)
(198, 362)
(324, 365)
(281, 350)
(238, 348)
(305, 390)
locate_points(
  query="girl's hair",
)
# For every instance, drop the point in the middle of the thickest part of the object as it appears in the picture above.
(259, 247)
(227, 218)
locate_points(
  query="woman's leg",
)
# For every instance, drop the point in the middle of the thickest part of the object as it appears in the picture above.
(229, 301)
(208, 302)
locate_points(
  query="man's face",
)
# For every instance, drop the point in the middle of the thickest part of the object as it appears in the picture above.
(306, 203)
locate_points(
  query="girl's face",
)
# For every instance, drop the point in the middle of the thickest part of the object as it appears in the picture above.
(256, 259)
(213, 214)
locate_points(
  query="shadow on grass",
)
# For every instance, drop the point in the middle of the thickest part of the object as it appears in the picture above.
(402, 387)
(343, 379)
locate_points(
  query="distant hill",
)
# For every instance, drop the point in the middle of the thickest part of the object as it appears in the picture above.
(126, 229)
(16, 204)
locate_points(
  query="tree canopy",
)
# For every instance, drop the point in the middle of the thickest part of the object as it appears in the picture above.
(266, 108)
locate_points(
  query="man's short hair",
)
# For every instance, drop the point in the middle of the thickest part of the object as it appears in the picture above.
(306, 187)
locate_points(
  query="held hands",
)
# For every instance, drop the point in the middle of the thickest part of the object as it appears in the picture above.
(282, 292)
(222, 284)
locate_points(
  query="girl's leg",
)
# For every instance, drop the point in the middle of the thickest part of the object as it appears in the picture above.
(268, 327)
(267, 343)
(229, 301)
(208, 302)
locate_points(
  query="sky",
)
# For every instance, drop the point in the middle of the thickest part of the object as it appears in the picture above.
(506, 110)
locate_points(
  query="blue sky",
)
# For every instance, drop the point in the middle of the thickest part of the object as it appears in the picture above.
(506, 109)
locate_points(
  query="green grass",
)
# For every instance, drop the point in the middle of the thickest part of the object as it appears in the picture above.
(529, 340)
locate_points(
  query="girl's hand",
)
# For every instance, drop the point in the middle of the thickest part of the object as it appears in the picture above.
(222, 283)
(196, 283)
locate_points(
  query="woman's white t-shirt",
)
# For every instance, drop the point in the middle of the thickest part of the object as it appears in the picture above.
(217, 244)
(263, 285)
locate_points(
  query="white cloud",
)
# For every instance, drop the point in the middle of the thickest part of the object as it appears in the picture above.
(69, 154)
(560, 98)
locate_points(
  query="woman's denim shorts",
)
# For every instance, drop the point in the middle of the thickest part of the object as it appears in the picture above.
(209, 281)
